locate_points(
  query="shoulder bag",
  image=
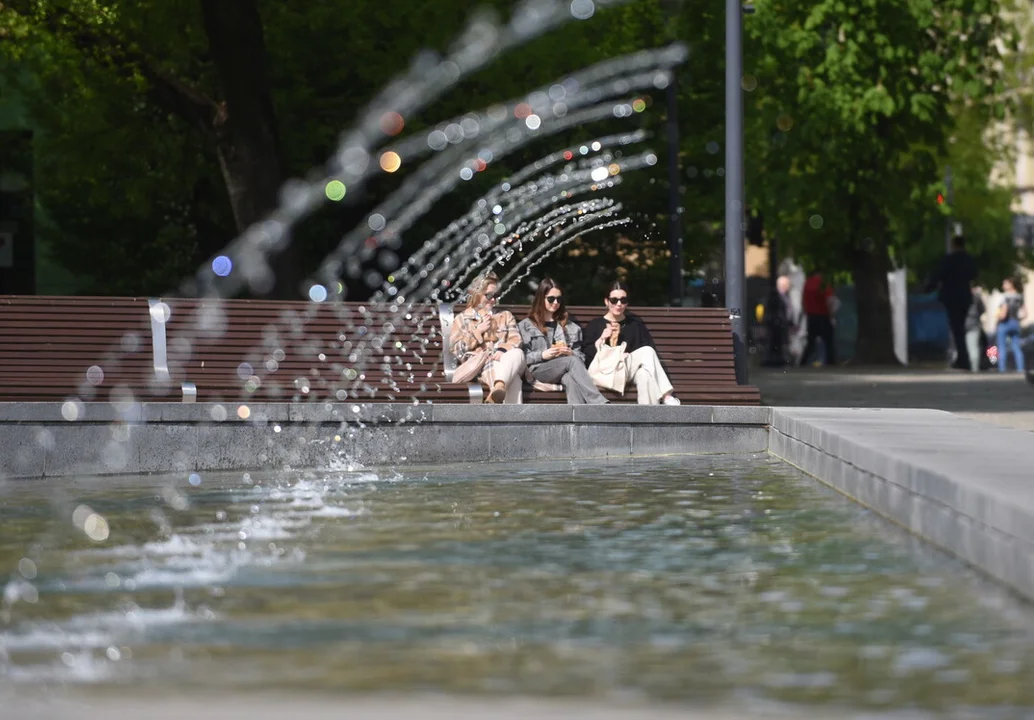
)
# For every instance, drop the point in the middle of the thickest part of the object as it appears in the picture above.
(472, 366)
(608, 369)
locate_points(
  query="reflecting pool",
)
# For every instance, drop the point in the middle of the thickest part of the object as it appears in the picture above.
(711, 580)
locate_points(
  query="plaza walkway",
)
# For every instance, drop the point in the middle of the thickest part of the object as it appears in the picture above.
(1006, 400)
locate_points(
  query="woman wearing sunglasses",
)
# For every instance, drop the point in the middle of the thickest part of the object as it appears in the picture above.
(480, 328)
(642, 365)
(552, 346)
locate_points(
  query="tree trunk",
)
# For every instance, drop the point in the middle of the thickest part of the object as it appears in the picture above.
(875, 344)
(247, 142)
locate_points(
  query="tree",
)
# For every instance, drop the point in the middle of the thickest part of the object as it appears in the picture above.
(853, 111)
(203, 120)
(227, 99)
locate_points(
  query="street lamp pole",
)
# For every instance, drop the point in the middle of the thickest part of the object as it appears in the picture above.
(735, 280)
(675, 282)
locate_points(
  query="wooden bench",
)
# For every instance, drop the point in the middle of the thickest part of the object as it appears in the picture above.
(55, 348)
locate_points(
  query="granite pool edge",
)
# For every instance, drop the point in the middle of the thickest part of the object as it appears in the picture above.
(39, 440)
(963, 486)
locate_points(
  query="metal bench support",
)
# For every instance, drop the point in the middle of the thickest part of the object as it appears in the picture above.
(445, 317)
(160, 314)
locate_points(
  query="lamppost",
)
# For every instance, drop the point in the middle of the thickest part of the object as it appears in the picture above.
(735, 280)
(676, 283)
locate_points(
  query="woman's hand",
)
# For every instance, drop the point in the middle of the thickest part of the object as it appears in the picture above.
(484, 326)
(605, 335)
(555, 352)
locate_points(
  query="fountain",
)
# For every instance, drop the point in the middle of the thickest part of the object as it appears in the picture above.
(729, 584)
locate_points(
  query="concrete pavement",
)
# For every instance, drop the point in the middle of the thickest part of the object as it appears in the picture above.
(1005, 400)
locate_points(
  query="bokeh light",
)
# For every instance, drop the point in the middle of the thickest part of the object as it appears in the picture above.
(392, 123)
(317, 293)
(639, 105)
(390, 161)
(222, 266)
(336, 190)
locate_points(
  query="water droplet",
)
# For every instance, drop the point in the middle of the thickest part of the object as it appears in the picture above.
(582, 9)
(71, 410)
(194, 479)
(815, 221)
(27, 568)
(437, 140)
(96, 528)
(95, 375)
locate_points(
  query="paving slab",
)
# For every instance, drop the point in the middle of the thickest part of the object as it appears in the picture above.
(1003, 399)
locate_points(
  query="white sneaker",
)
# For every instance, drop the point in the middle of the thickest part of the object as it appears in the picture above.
(672, 400)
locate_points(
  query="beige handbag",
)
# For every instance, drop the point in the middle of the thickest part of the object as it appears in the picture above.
(608, 369)
(471, 367)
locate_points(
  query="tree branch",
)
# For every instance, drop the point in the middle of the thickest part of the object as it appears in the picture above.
(169, 92)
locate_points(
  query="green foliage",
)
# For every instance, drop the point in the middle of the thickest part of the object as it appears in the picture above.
(853, 111)
(849, 123)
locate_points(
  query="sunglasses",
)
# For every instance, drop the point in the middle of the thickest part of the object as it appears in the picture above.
(490, 296)
(554, 298)
(618, 300)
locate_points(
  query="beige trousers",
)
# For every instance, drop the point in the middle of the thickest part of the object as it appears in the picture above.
(510, 369)
(651, 382)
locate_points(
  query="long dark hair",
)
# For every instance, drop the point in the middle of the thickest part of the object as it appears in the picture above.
(617, 285)
(538, 306)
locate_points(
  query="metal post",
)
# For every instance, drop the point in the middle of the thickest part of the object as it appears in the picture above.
(735, 281)
(676, 285)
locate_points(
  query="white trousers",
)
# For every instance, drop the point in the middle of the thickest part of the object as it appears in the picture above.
(510, 370)
(651, 382)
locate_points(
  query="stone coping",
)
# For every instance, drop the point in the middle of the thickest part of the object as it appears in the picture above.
(964, 486)
(158, 412)
(36, 439)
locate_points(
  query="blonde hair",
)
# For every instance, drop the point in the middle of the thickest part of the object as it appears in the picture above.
(476, 291)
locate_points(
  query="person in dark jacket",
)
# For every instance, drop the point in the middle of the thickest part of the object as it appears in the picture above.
(953, 281)
(642, 364)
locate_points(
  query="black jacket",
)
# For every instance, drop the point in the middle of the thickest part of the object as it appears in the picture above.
(633, 332)
(953, 279)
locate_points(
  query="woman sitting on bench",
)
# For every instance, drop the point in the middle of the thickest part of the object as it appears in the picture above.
(480, 328)
(642, 365)
(552, 346)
